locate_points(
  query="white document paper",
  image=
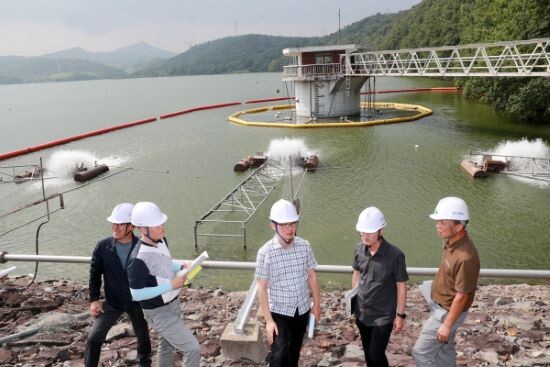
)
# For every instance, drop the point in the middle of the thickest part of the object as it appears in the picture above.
(197, 262)
(311, 326)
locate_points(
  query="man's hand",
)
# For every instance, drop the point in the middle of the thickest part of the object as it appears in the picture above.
(96, 308)
(178, 281)
(398, 324)
(270, 330)
(316, 310)
(443, 333)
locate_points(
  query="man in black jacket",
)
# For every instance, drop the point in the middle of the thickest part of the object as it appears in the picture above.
(109, 259)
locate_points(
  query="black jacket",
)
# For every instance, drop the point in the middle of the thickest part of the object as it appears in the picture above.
(106, 263)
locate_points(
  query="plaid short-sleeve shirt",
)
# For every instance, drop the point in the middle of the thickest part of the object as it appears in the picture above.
(286, 271)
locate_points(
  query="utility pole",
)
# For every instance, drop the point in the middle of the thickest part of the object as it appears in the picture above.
(338, 26)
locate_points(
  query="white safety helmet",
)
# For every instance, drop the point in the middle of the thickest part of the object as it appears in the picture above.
(147, 214)
(122, 213)
(370, 220)
(451, 208)
(283, 211)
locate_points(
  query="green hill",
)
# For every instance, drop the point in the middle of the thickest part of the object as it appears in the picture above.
(18, 69)
(240, 54)
(430, 23)
(445, 22)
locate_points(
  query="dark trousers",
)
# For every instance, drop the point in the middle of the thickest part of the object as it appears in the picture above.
(285, 350)
(375, 340)
(104, 322)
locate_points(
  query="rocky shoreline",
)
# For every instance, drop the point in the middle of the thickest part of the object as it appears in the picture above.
(509, 325)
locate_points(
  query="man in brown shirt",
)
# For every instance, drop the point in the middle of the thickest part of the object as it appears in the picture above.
(451, 293)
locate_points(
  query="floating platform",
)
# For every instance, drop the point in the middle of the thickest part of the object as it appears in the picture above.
(89, 174)
(309, 162)
(473, 169)
(32, 174)
(480, 171)
(538, 168)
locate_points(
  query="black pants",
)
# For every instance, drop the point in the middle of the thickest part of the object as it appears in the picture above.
(104, 322)
(285, 350)
(375, 340)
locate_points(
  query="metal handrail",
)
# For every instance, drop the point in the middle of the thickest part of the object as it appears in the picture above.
(335, 269)
(312, 70)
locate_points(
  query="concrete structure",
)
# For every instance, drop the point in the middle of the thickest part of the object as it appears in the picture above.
(328, 79)
(321, 87)
(249, 344)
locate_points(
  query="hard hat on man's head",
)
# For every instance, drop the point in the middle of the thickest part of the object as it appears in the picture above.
(452, 208)
(122, 213)
(283, 211)
(370, 220)
(147, 214)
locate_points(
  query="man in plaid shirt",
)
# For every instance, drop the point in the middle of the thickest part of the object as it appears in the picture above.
(285, 268)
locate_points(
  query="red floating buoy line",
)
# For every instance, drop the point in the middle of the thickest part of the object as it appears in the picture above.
(53, 143)
(199, 108)
(69, 139)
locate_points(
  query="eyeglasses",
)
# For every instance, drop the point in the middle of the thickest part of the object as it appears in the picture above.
(291, 224)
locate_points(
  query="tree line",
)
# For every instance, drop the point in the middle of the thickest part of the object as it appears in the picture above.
(430, 23)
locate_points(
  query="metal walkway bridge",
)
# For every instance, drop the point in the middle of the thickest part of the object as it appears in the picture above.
(504, 59)
(528, 58)
(228, 218)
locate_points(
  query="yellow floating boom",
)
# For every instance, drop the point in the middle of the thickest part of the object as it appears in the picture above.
(422, 112)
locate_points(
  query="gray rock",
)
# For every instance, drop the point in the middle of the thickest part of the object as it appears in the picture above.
(118, 331)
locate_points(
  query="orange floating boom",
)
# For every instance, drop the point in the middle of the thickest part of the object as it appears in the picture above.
(69, 139)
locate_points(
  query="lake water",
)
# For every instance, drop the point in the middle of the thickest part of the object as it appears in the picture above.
(404, 169)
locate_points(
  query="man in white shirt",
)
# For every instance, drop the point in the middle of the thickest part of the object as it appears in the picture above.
(285, 268)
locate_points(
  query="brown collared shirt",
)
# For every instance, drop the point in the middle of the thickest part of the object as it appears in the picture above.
(458, 272)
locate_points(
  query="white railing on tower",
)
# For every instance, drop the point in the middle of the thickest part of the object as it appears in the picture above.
(312, 70)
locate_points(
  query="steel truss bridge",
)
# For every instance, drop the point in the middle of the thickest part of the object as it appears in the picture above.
(528, 58)
(505, 59)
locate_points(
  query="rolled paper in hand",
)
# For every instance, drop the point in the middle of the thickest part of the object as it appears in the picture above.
(192, 274)
(311, 326)
(197, 262)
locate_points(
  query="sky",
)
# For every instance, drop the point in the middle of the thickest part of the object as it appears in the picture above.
(36, 27)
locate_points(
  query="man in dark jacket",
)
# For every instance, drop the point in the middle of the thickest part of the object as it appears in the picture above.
(110, 259)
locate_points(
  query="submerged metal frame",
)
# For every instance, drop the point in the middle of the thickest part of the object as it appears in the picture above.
(242, 201)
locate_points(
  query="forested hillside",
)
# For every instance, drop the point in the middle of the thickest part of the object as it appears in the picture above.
(430, 23)
(250, 53)
(18, 69)
(444, 22)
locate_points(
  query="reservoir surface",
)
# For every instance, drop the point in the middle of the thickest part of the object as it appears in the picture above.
(403, 169)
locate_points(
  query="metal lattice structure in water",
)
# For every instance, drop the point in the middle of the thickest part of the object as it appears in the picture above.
(228, 218)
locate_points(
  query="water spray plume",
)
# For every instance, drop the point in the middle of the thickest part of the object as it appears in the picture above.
(282, 149)
(63, 163)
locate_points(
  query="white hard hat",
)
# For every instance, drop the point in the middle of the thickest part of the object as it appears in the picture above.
(451, 208)
(370, 220)
(122, 213)
(283, 212)
(147, 214)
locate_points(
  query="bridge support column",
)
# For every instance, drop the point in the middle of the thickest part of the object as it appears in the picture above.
(249, 344)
